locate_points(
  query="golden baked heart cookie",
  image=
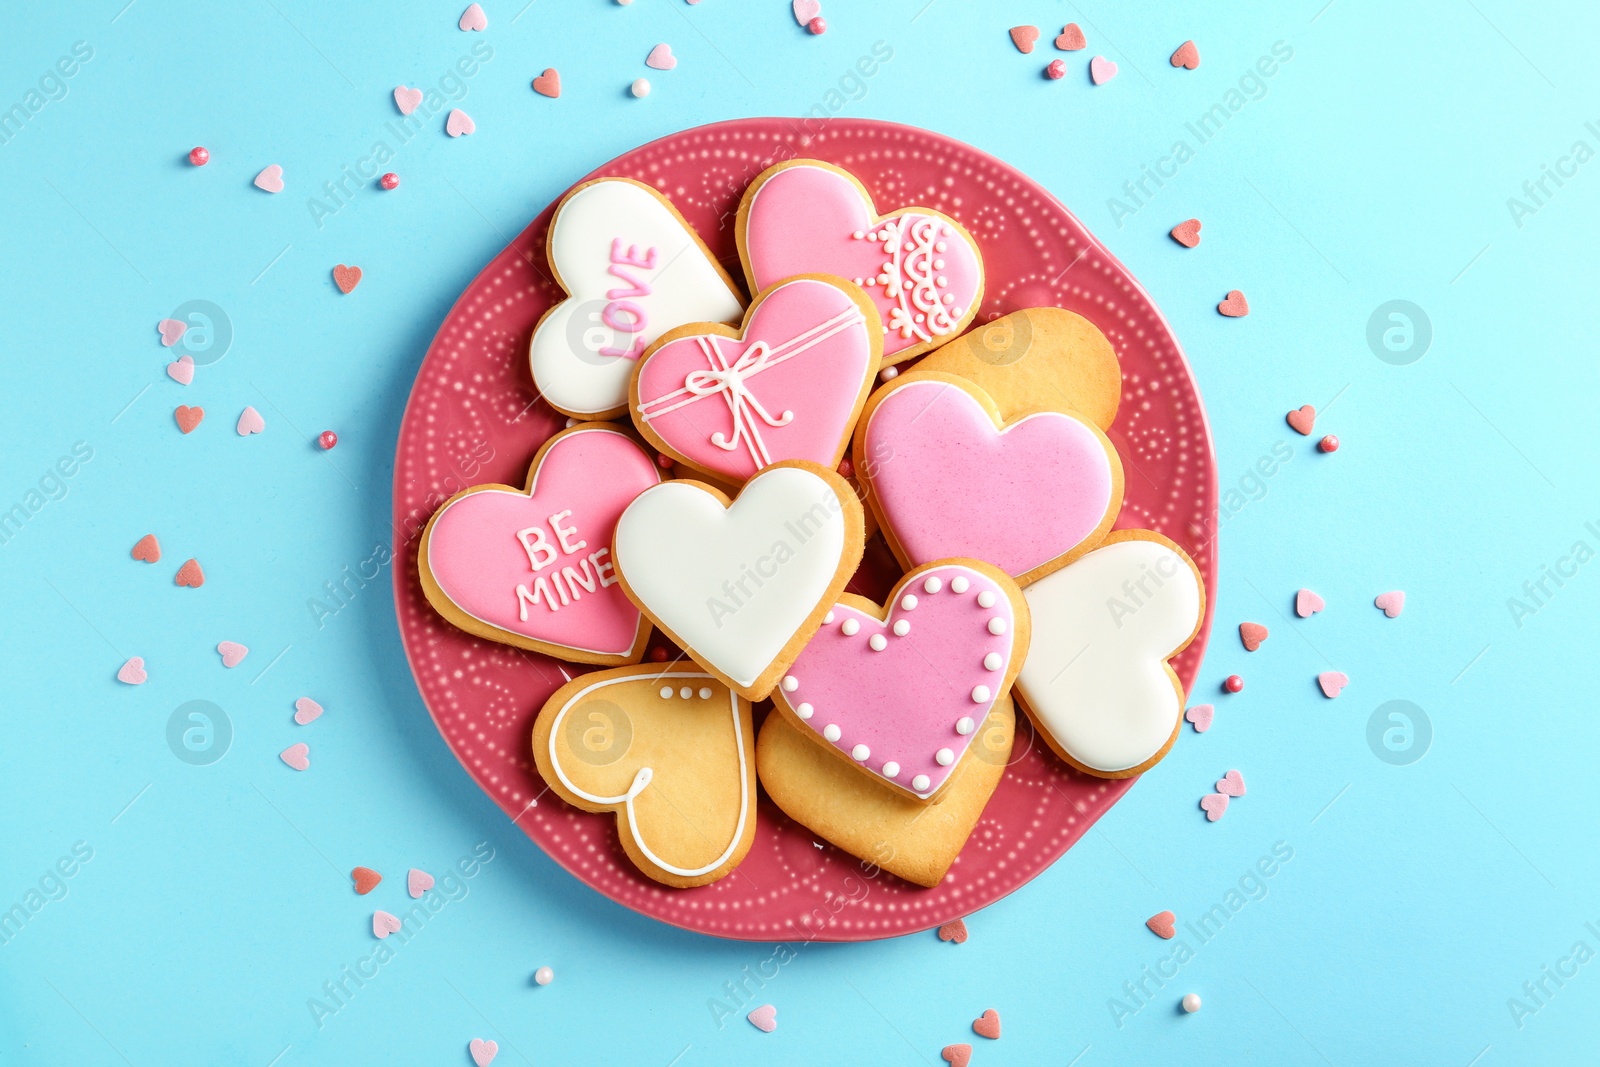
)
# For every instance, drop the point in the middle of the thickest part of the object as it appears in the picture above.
(917, 840)
(670, 750)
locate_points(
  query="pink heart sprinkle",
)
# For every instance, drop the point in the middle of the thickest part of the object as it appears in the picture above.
(306, 710)
(806, 10)
(661, 57)
(1101, 70)
(233, 653)
(298, 756)
(764, 1018)
(250, 421)
(133, 672)
(1307, 603)
(1333, 683)
(1214, 804)
(473, 19)
(418, 882)
(483, 1052)
(172, 331)
(1232, 784)
(407, 99)
(181, 370)
(1392, 603)
(459, 123)
(270, 179)
(384, 924)
(1201, 715)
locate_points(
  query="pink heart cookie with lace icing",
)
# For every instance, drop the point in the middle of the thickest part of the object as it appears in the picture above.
(922, 269)
(947, 478)
(532, 567)
(788, 385)
(901, 691)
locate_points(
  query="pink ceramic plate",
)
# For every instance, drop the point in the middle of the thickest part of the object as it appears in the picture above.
(473, 417)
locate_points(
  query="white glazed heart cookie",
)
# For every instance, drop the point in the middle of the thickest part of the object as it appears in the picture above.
(1097, 681)
(633, 269)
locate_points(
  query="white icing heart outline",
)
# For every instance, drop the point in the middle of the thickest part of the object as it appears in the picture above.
(587, 383)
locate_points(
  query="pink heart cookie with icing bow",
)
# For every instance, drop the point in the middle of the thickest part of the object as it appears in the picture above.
(788, 385)
(532, 567)
(901, 691)
(946, 478)
(920, 268)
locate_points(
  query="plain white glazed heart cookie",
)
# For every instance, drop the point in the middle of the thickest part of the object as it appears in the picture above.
(741, 585)
(633, 269)
(1096, 680)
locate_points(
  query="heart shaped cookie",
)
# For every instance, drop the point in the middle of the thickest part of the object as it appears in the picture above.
(947, 478)
(633, 269)
(1039, 352)
(921, 268)
(670, 750)
(741, 585)
(900, 691)
(532, 567)
(1098, 684)
(788, 384)
(916, 840)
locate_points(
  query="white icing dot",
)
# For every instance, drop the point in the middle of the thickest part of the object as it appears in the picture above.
(980, 693)
(705, 694)
(950, 298)
(666, 692)
(640, 87)
(965, 725)
(831, 732)
(944, 757)
(909, 602)
(804, 711)
(939, 246)
(992, 661)
(940, 282)
(933, 584)
(889, 374)
(850, 628)
(858, 235)
(686, 692)
(901, 628)
(958, 584)
(878, 642)
(790, 683)
(938, 264)
(986, 599)
(920, 783)
(891, 769)
(997, 626)
(859, 281)
(860, 753)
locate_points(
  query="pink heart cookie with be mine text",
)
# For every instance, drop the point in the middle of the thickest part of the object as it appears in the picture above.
(903, 695)
(787, 386)
(533, 567)
(921, 269)
(947, 480)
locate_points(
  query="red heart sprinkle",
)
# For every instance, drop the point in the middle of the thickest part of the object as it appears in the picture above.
(548, 83)
(1023, 37)
(1232, 784)
(366, 879)
(148, 549)
(957, 1055)
(1307, 603)
(1252, 634)
(346, 278)
(1333, 683)
(191, 575)
(987, 1025)
(1187, 56)
(1071, 38)
(1187, 233)
(1302, 419)
(954, 930)
(1162, 924)
(1214, 804)
(188, 417)
(1234, 305)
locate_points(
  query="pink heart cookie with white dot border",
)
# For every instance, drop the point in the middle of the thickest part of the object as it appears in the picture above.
(921, 268)
(901, 690)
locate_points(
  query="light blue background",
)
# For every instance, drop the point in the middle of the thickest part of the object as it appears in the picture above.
(1377, 164)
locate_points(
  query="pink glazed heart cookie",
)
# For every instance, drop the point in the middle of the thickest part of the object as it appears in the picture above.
(947, 478)
(532, 567)
(901, 690)
(921, 268)
(788, 385)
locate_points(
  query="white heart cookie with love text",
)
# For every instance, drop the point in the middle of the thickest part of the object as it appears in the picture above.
(1096, 680)
(633, 270)
(742, 585)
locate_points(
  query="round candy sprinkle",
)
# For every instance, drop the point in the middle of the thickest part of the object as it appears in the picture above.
(1191, 1003)
(889, 374)
(658, 655)
(199, 156)
(390, 180)
(846, 468)
(1056, 70)
(640, 87)
(663, 461)
(544, 976)
(1329, 443)
(327, 439)
(818, 25)
(1233, 684)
